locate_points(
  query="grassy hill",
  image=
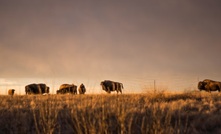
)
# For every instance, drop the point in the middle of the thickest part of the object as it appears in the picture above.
(151, 113)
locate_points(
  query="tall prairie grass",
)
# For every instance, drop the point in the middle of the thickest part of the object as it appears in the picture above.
(149, 113)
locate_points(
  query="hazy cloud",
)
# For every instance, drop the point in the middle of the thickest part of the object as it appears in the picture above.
(103, 38)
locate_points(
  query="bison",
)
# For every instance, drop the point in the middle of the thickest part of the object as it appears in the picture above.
(82, 89)
(36, 88)
(109, 86)
(11, 92)
(67, 88)
(209, 85)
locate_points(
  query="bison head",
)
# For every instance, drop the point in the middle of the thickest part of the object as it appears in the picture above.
(103, 86)
(201, 85)
(58, 91)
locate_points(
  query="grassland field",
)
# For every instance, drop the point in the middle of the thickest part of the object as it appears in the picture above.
(148, 113)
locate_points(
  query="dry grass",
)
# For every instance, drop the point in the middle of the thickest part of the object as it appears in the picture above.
(150, 113)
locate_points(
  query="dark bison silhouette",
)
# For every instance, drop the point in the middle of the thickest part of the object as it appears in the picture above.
(109, 86)
(209, 85)
(36, 88)
(67, 88)
(11, 92)
(82, 89)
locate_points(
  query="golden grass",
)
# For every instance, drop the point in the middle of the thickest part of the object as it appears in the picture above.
(150, 113)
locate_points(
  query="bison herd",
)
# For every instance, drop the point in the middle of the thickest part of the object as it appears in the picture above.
(107, 85)
(42, 88)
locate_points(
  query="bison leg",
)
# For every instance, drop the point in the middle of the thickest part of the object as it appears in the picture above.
(108, 90)
(120, 91)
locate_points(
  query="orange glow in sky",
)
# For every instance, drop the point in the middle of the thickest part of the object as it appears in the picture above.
(173, 42)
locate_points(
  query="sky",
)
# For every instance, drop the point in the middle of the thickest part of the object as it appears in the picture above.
(136, 42)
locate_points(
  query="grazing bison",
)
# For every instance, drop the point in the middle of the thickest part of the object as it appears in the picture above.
(82, 89)
(67, 88)
(109, 86)
(36, 89)
(209, 85)
(11, 92)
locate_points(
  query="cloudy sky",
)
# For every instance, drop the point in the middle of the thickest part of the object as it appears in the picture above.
(132, 41)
